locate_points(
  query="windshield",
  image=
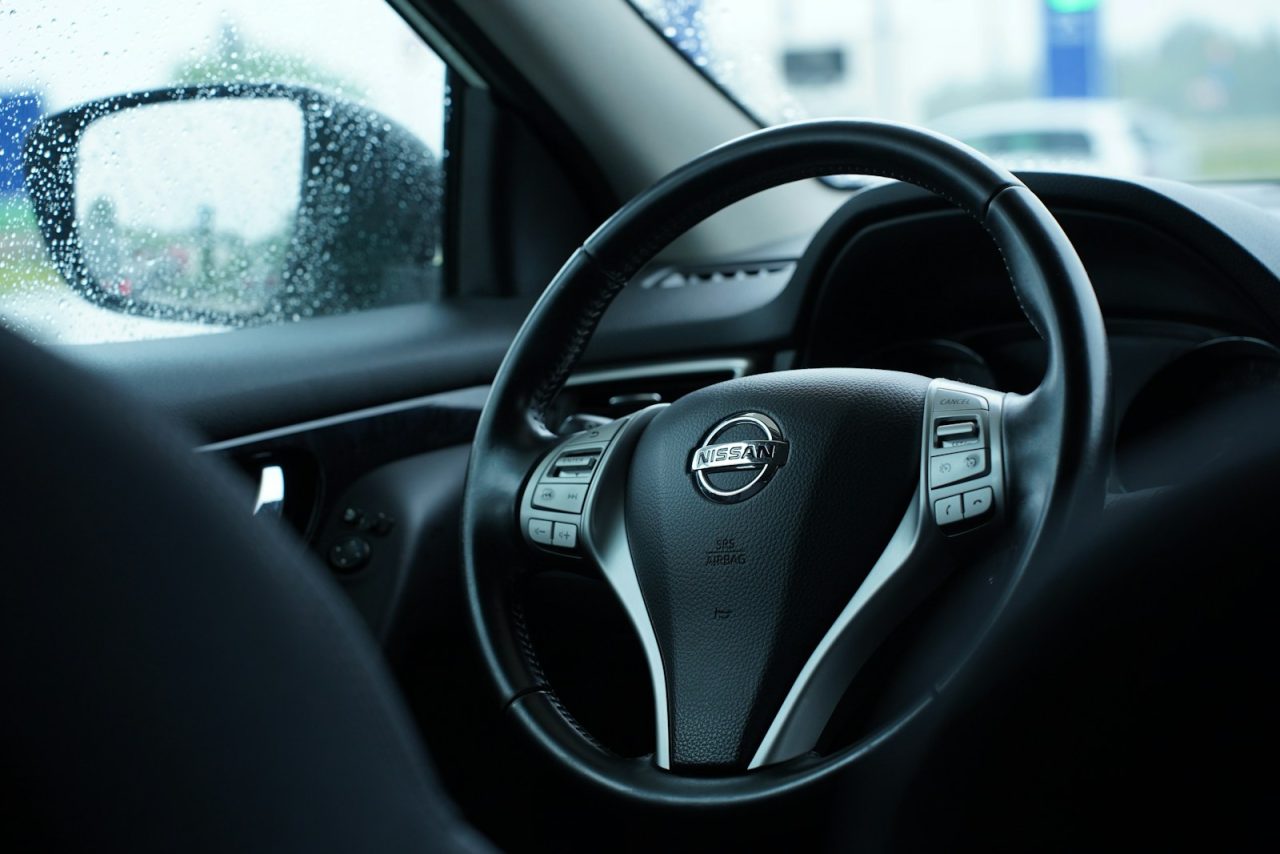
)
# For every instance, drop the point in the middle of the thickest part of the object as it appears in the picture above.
(1184, 89)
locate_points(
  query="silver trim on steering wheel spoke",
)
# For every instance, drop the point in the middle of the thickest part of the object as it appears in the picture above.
(606, 541)
(962, 465)
(601, 531)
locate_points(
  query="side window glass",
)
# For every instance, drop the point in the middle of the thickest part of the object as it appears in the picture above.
(175, 170)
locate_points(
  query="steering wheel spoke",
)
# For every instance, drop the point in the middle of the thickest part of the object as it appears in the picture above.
(553, 502)
(962, 456)
(579, 487)
(571, 504)
(962, 490)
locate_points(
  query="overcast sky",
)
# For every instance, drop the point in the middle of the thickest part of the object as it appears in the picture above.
(923, 46)
(75, 50)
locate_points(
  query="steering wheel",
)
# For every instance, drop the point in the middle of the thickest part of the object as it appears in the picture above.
(764, 535)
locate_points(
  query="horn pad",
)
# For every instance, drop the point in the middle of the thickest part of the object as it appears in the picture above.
(755, 508)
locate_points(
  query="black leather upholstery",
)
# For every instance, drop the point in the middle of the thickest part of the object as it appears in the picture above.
(178, 676)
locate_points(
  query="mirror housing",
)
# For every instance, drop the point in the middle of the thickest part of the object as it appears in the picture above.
(367, 227)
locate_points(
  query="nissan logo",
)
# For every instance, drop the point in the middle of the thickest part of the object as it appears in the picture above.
(737, 468)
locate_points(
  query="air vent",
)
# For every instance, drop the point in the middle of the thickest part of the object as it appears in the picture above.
(718, 274)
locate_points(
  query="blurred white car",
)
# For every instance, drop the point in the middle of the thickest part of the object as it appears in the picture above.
(1074, 135)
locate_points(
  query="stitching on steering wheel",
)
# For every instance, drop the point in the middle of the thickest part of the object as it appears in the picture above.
(588, 320)
(543, 685)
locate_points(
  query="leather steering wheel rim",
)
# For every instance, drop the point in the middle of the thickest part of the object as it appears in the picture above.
(1063, 426)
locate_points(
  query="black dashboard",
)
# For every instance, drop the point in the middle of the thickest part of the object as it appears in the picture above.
(1186, 282)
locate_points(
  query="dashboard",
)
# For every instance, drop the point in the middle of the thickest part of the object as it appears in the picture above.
(1188, 281)
(896, 282)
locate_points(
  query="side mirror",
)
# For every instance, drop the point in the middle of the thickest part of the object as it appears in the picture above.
(236, 204)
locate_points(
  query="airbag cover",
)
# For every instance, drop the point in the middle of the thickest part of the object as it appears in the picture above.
(740, 591)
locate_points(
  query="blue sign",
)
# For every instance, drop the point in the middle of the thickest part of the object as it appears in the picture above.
(18, 112)
(1073, 62)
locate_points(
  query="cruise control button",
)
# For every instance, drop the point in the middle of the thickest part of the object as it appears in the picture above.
(575, 464)
(953, 468)
(540, 531)
(564, 497)
(948, 400)
(978, 502)
(947, 510)
(956, 433)
(565, 535)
